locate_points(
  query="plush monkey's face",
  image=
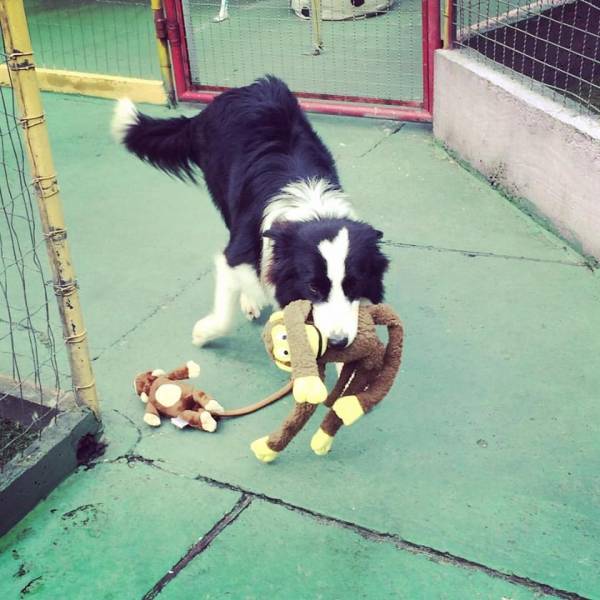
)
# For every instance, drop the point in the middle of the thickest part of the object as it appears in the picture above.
(279, 347)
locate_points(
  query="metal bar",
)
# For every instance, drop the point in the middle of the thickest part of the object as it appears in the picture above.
(315, 22)
(425, 51)
(162, 49)
(434, 42)
(449, 24)
(174, 39)
(334, 108)
(334, 97)
(17, 46)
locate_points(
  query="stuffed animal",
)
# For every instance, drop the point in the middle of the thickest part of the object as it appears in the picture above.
(164, 394)
(368, 372)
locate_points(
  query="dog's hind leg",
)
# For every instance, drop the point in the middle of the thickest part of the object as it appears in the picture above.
(227, 291)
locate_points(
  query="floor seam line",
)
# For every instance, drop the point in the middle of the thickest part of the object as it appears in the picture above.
(156, 310)
(201, 545)
(386, 136)
(438, 556)
(485, 254)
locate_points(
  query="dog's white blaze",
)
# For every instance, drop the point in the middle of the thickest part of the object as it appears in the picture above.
(304, 200)
(337, 316)
(125, 115)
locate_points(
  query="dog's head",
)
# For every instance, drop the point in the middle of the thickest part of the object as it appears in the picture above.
(334, 263)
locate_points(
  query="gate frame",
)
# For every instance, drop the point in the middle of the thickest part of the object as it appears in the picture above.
(351, 106)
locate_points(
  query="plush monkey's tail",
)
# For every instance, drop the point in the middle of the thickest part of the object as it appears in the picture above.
(167, 144)
(246, 410)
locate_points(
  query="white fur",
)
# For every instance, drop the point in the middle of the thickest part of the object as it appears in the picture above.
(306, 200)
(230, 283)
(125, 115)
(144, 397)
(158, 372)
(338, 316)
(303, 200)
(168, 394)
(298, 201)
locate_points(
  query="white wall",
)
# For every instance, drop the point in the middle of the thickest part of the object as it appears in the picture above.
(530, 146)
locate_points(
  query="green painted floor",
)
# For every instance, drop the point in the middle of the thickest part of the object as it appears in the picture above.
(476, 478)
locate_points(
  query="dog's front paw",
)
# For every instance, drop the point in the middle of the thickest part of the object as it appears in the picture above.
(206, 330)
(250, 308)
(348, 409)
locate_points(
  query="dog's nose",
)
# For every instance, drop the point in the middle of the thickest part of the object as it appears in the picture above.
(338, 341)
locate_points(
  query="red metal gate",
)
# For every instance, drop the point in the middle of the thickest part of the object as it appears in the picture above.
(232, 43)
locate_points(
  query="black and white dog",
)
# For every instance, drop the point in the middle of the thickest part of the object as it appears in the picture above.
(293, 233)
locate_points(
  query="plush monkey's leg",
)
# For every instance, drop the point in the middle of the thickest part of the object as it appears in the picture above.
(201, 419)
(322, 440)
(267, 448)
(151, 417)
(203, 400)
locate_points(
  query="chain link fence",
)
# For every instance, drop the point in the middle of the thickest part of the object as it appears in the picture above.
(31, 361)
(112, 37)
(553, 45)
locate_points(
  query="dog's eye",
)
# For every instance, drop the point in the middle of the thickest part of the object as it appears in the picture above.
(313, 289)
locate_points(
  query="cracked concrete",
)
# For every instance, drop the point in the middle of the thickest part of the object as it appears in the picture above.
(473, 479)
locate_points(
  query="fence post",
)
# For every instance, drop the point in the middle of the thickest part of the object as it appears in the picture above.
(21, 70)
(162, 48)
(449, 23)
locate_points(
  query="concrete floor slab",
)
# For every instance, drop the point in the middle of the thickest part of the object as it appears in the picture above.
(477, 451)
(270, 551)
(109, 533)
(486, 446)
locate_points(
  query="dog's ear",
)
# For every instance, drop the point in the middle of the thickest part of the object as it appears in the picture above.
(279, 232)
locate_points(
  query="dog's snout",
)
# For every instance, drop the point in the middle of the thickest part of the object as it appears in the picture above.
(338, 341)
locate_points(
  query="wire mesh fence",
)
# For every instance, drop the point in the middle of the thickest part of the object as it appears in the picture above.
(31, 361)
(114, 37)
(369, 49)
(552, 44)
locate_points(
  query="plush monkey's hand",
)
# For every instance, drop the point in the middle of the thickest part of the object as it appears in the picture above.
(309, 389)
(262, 451)
(348, 409)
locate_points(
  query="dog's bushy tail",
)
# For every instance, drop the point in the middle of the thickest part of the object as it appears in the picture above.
(166, 144)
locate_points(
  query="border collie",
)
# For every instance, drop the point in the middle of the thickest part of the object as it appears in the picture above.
(293, 233)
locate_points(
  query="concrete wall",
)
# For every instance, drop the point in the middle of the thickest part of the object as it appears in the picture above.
(530, 146)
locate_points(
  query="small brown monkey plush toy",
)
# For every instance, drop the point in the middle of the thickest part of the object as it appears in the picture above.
(369, 369)
(164, 394)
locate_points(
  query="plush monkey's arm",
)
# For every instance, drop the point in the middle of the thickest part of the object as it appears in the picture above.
(188, 371)
(351, 408)
(308, 386)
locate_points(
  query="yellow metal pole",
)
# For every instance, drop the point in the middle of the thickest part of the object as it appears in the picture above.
(21, 68)
(162, 48)
(315, 20)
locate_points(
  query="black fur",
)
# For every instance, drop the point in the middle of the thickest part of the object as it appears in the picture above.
(299, 270)
(250, 142)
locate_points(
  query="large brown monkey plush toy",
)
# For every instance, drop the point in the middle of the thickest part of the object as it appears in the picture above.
(368, 372)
